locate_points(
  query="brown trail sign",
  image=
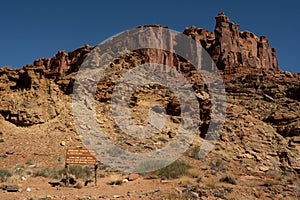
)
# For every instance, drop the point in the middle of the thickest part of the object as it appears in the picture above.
(79, 156)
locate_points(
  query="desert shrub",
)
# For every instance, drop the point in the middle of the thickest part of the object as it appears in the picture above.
(194, 172)
(211, 182)
(187, 180)
(4, 175)
(76, 170)
(174, 170)
(80, 171)
(79, 185)
(218, 165)
(188, 193)
(48, 173)
(174, 195)
(150, 175)
(193, 152)
(149, 165)
(115, 152)
(115, 179)
(30, 162)
(19, 170)
(228, 179)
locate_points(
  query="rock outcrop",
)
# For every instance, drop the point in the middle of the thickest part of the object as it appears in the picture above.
(234, 51)
(64, 63)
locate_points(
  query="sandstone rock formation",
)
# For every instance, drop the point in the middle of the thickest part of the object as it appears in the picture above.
(235, 51)
(64, 63)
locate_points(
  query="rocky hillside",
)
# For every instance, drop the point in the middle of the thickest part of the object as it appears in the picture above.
(262, 129)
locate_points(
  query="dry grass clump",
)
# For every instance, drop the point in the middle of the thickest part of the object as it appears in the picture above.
(174, 170)
(228, 178)
(80, 171)
(194, 172)
(211, 182)
(49, 173)
(187, 180)
(218, 166)
(78, 185)
(4, 175)
(76, 170)
(115, 179)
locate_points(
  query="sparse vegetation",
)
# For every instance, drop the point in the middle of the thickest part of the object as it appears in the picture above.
(218, 166)
(194, 172)
(193, 152)
(18, 170)
(175, 195)
(211, 182)
(150, 175)
(228, 178)
(79, 185)
(30, 162)
(174, 170)
(76, 170)
(218, 163)
(189, 193)
(187, 180)
(4, 175)
(115, 179)
(147, 166)
(49, 173)
(80, 171)
(115, 152)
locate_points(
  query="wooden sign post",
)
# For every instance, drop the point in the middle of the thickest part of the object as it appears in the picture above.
(79, 156)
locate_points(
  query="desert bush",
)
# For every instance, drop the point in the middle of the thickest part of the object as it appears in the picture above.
(115, 179)
(18, 170)
(194, 172)
(4, 175)
(211, 182)
(218, 165)
(79, 185)
(30, 162)
(48, 173)
(186, 180)
(189, 193)
(174, 170)
(228, 178)
(150, 175)
(149, 165)
(76, 170)
(115, 152)
(193, 152)
(80, 171)
(174, 195)
(14, 179)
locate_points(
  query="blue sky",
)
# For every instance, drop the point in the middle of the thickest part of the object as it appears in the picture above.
(35, 29)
